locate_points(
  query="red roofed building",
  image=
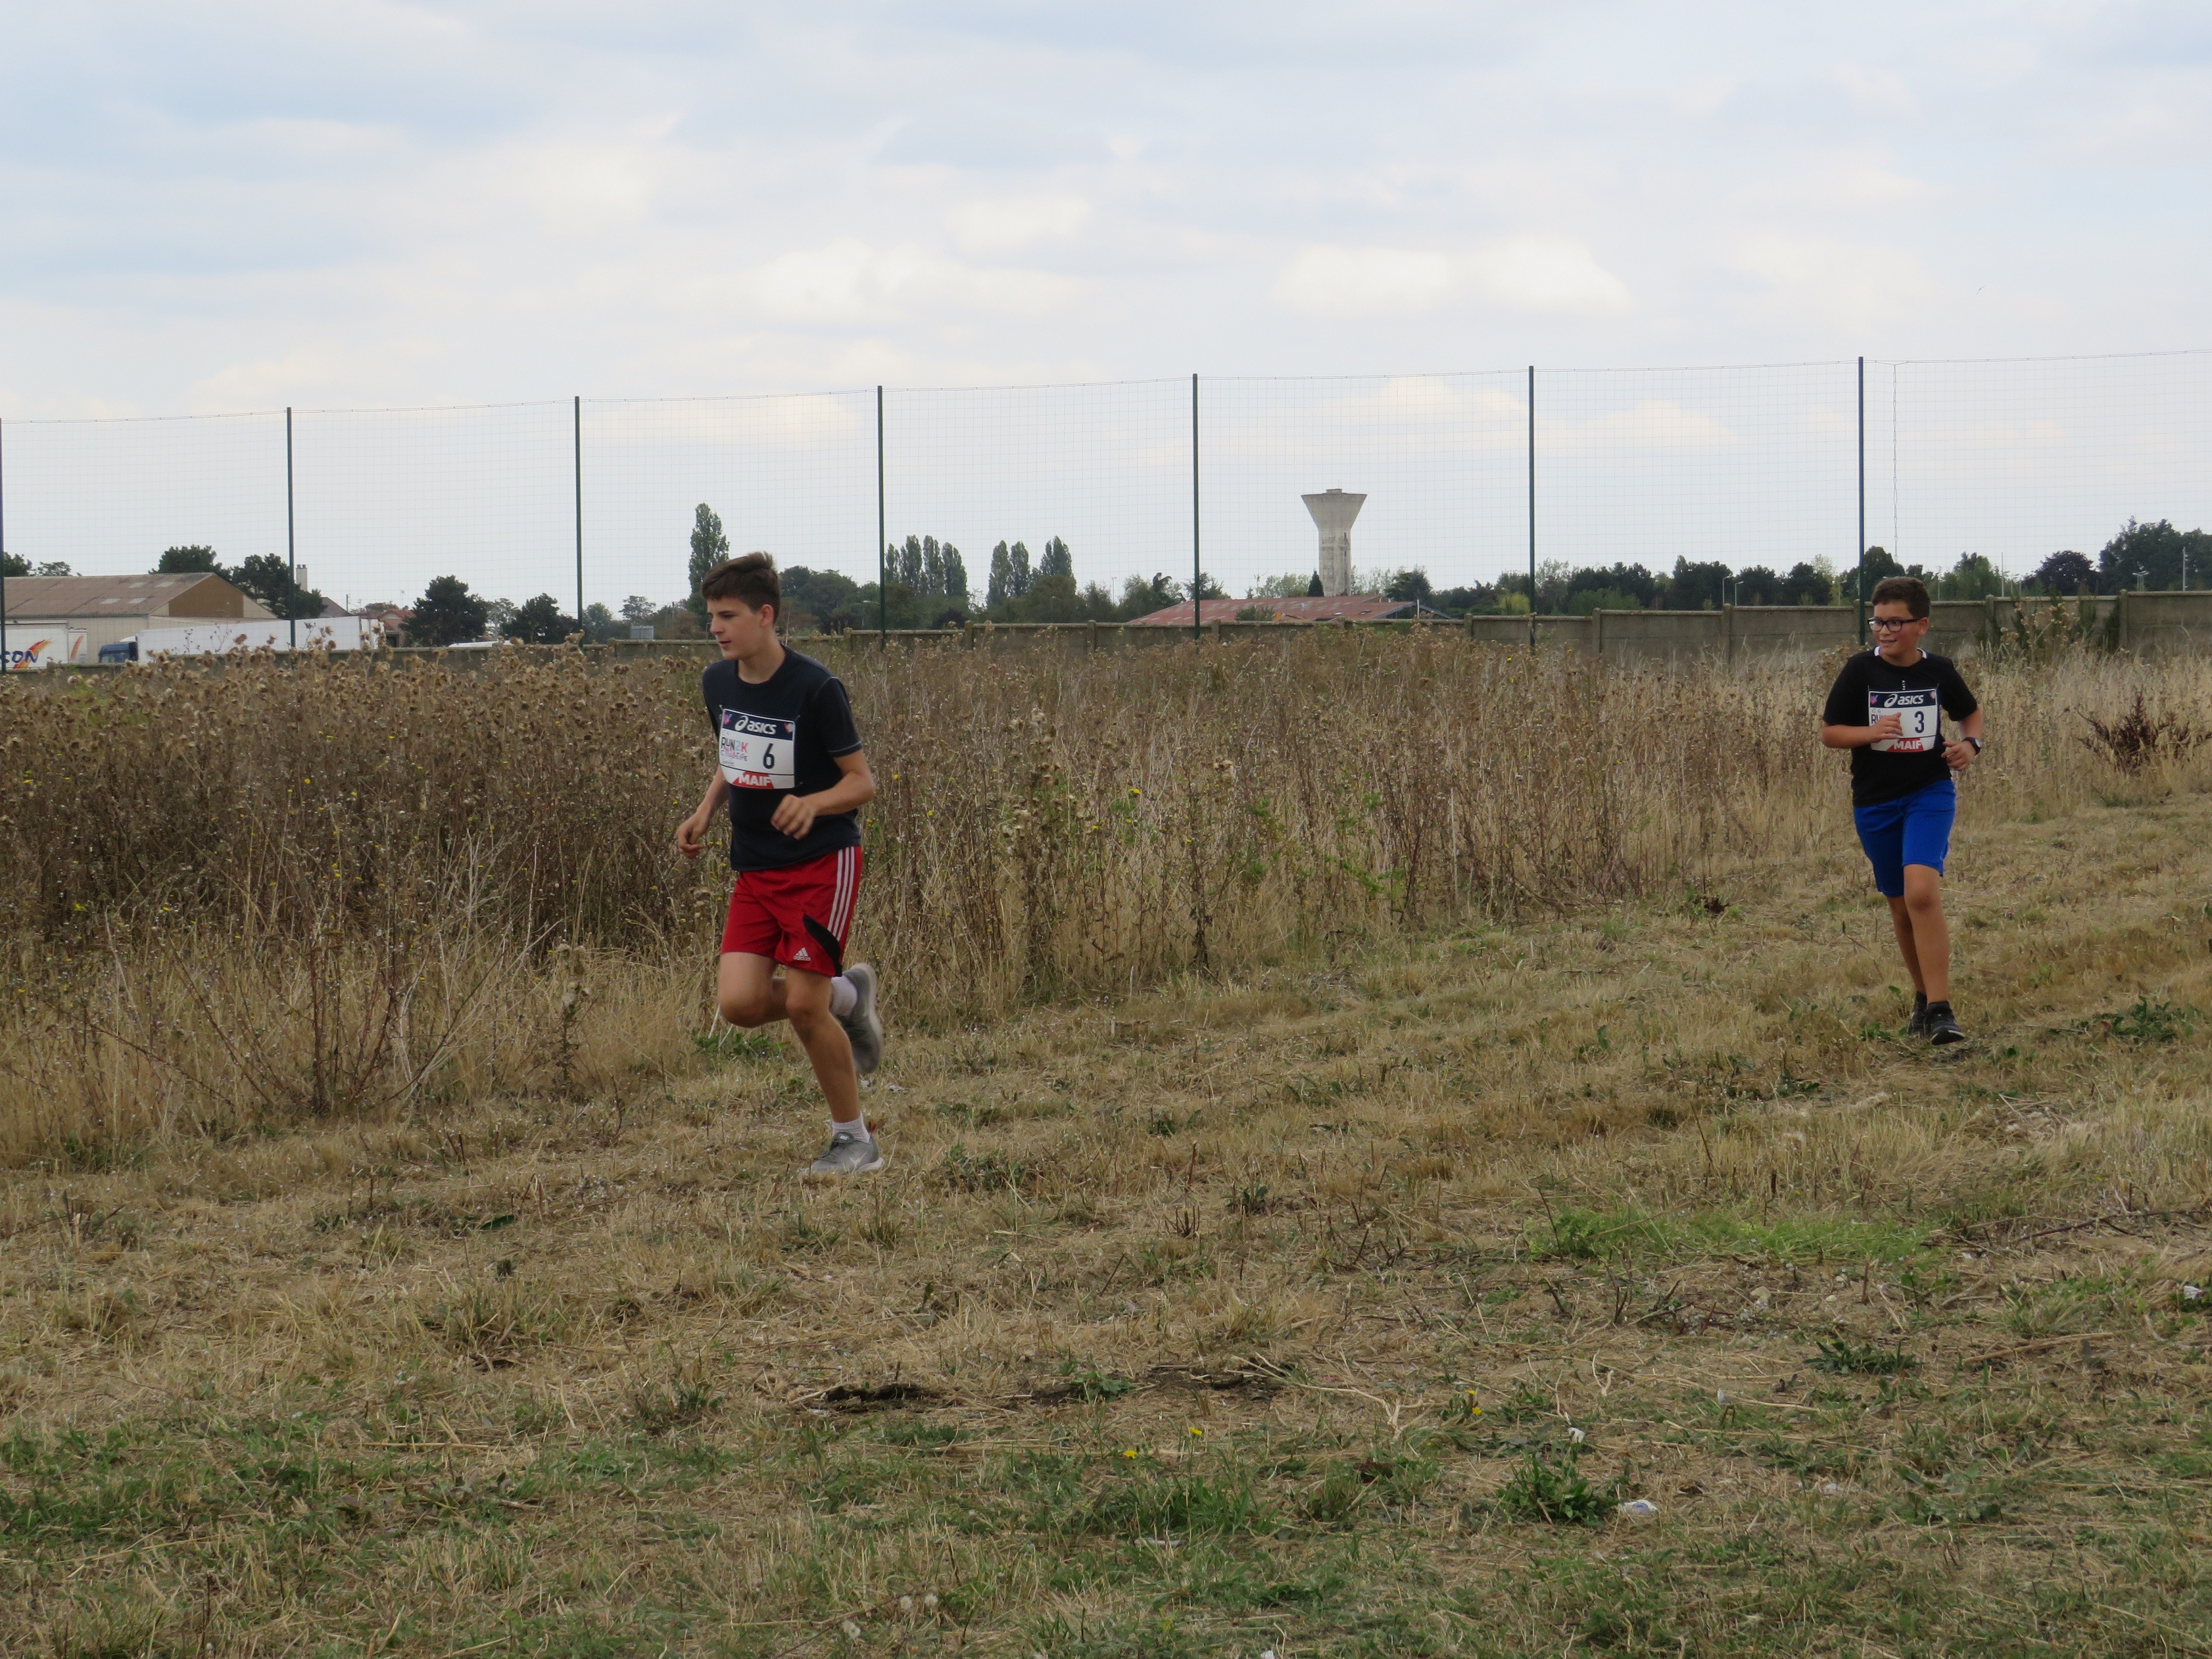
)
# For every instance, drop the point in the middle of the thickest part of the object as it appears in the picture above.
(1345, 607)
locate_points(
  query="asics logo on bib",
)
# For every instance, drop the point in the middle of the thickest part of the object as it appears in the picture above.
(1917, 714)
(759, 751)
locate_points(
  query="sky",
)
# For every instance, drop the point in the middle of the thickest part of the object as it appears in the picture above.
(242, 207)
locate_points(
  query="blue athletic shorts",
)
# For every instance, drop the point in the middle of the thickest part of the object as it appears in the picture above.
(1914, 829)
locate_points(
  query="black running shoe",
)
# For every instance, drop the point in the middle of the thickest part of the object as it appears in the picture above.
(1942, 1026)
(1918, 1025)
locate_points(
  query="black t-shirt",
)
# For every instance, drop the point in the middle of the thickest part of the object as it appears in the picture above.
(781, 738)
(1920, 696)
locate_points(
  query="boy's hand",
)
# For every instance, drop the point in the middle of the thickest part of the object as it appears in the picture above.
(794, 815)
(1961, 754)
(691, 835)
(1889, 726)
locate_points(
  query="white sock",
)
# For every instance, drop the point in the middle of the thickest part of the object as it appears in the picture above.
(858, 1126)
(844, 997)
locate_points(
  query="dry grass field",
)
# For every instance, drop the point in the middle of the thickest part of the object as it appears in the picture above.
(1324, 1292)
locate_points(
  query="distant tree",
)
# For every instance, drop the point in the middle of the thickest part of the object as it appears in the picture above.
(1019, 574)
(676, 622)
(900, 607)
(1554, 582)
(1056, 560)
(1140, 597)
(185, 560)
(1697, 585)
(539, 622)
(1757, 585)
(267, 579)
(598, 623)
(1046, 599)
(1314, 589)
(637, 609)
(1289, 585)
(2066, 573)
(1632, 587)
(13, 564)
(53, 568)
(1477, 600)
(1207, 588)
(1808, 584)
(1001, 577)
(1972, 578)
(2151, 554)
(1583, 600)
(1411, 584)
(448, 614)
(1879, 566)
(813, 597)
(709, 547)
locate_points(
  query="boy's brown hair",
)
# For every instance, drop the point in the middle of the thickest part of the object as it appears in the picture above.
(1908, 591)
(750, 580)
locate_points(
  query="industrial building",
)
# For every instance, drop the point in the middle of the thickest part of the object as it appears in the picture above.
(112, 608)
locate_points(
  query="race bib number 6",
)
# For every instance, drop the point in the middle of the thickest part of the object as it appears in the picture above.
(758, 752)
(1917, 712)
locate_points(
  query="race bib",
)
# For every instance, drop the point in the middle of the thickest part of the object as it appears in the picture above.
(1917, 712)
(759, 752)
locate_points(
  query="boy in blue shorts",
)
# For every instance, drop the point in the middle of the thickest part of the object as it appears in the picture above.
(1887, 709)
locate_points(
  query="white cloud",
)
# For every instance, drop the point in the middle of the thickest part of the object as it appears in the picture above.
(1007, 225)
(848, 282)
(1882, 90)
(1520, 273)
(1548, 273)
(1365, 282)
(1825, 280)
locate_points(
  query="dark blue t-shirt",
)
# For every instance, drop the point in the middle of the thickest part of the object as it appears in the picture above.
(781, 738)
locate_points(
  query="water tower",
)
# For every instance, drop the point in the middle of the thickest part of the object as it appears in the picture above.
(1332, 513)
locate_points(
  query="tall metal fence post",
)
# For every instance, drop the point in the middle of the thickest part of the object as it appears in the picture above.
(579, 516)
(882, 531)
(1197, 571)
(1532, 506)
(3, 556)
(1858, 582)
(291, 543)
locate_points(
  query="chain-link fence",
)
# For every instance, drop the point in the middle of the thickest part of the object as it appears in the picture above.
(1682, 487)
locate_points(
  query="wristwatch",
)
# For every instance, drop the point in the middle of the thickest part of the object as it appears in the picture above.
(1976, 741)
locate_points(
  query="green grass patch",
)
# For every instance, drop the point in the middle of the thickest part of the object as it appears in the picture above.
(1596, 1236)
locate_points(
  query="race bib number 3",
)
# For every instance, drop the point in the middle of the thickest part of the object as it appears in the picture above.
(1917, 712)
(758, 752)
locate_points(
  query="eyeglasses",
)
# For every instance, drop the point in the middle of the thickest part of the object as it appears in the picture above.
(1889, 624)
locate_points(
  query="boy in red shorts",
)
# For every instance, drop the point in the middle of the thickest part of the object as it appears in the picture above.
(792, 769)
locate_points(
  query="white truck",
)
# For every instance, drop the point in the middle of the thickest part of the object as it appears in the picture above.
(210, 639)
(42, 645)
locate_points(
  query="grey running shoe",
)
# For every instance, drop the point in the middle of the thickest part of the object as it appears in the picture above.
(861, 1025)
(1919, 1024)
(848, 1155)
(1942, 1026)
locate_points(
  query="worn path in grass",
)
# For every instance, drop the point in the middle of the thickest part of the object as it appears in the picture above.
(1330, 1311)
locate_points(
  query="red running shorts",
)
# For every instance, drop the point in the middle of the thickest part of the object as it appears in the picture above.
(799, 915)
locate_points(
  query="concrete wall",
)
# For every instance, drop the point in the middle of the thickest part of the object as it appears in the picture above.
(2151, 624)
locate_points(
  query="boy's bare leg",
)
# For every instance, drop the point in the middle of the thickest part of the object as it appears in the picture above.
(749, 992)
(1900, 919)
(1929, 950)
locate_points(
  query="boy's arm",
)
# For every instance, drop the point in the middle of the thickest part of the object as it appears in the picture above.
(1857, 737)
(1846, 698)
(691, 833)
(855, 788)
(1961, 755)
